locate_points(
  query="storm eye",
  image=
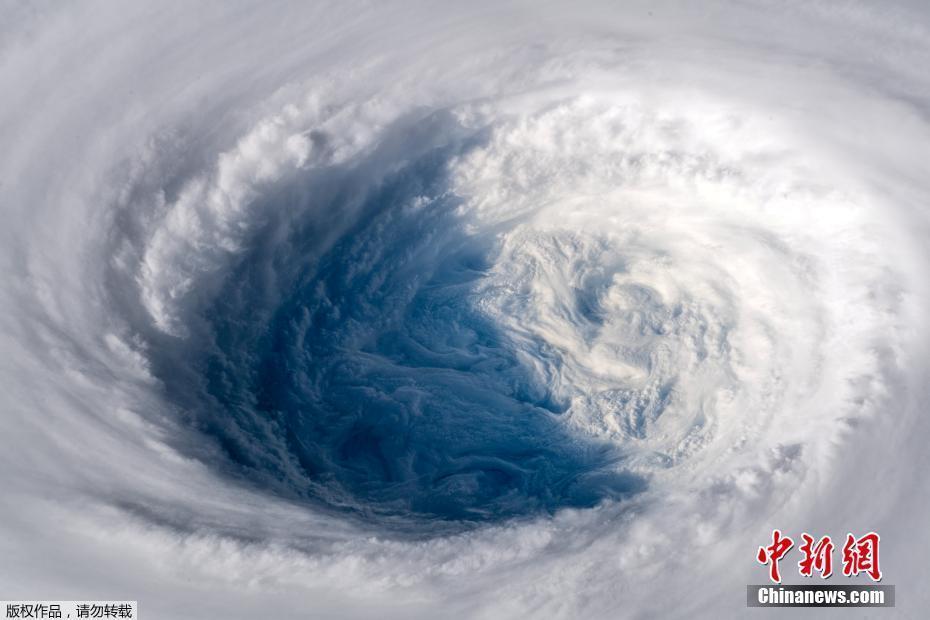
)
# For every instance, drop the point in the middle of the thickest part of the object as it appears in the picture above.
(482, 317)
(364, 372)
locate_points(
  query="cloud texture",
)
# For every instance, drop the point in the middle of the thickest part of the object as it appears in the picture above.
(496, 310)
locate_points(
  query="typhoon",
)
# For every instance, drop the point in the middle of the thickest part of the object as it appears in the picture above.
(503, 310)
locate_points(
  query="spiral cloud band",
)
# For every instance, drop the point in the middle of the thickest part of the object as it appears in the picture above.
(502, 310)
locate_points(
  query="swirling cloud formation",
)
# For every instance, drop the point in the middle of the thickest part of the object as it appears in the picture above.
(495, 311)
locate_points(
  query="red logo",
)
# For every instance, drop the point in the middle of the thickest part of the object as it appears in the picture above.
(860, 555)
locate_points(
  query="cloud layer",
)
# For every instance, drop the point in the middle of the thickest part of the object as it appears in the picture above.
(494, 310)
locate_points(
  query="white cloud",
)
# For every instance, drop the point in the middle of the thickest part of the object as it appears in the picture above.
(713, 220)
